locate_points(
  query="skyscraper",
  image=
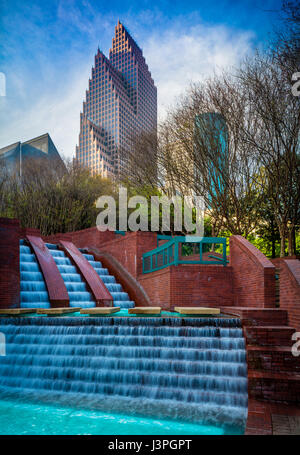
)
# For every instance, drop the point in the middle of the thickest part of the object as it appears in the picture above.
(121, 102)
(211, 142)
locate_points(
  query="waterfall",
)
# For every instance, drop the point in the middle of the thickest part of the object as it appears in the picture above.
(33, 288)
(191, 369)
(120, 298)
(76, 287)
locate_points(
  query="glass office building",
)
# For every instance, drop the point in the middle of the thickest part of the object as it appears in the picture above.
(14, 156)
(121, 102)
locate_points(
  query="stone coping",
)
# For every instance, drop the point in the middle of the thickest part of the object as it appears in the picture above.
(57, 311)
(98, 310)
(17, 311)
(196, 310)
(145, 310)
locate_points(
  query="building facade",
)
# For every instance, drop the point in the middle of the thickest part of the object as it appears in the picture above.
(120, 103)
(42, 147)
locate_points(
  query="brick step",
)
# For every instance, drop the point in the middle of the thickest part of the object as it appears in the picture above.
(274, 386)
(258, 316)
(272, 358)
(269, 336)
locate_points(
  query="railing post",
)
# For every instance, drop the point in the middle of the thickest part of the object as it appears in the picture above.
(176, 252)
(224, 253)
(200, 250)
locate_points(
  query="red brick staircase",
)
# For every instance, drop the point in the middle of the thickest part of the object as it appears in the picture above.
(273, 372)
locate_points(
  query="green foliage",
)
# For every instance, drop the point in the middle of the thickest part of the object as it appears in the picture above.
(53, 199)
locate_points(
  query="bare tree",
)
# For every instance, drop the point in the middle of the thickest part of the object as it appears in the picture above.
(275, 136)
(286, 48)
(234, 139)
(141, 164)
(207, 127)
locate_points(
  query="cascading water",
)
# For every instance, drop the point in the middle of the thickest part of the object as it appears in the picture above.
(76, 287)
(33, 288)
(120, 298)
(190, 369)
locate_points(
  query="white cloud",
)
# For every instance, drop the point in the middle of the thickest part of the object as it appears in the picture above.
(178, 58)
(55, 111)
(178, 55)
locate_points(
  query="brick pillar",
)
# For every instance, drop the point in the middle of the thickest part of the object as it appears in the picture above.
(9, 263)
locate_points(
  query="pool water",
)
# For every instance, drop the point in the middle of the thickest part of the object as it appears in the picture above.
(123, 376)
(21, 418)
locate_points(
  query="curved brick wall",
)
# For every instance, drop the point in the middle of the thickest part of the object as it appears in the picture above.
(253, 275)
(57, 291)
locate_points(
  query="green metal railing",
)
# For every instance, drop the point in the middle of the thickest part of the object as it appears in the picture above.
(120, 232)
(175, 250)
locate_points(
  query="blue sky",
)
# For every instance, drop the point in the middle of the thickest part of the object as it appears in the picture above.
(47, 50)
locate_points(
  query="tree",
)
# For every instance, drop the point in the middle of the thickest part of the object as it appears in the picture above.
(274, 136)
(286, 48)
(207, 127)
(54, 199)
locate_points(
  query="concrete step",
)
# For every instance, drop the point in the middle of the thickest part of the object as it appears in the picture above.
(269, 335)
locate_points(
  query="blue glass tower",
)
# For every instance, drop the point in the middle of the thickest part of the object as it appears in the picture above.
(211, 134)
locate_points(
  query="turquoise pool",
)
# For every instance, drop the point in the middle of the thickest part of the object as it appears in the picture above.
(122, 376)
(18, 418)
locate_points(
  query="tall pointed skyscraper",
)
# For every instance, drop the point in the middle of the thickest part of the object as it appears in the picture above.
(121, 102)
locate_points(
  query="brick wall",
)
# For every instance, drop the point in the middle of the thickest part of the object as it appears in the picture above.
(250, 277)
(85, 237)
(278, 261)
(157, 286)
(189, 285)
(10, 235)
(253, 275)
(129, 249)
(9, 263)
(290, 290)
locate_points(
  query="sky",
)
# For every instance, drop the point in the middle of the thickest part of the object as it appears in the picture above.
(47, 50)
